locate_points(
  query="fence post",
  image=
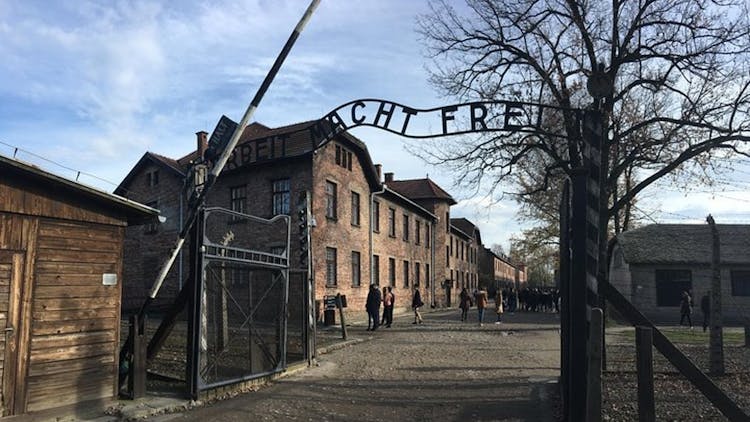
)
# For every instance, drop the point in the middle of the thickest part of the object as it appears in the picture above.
(340, 305)
(137, 376)
(644, 364)
(594, 394)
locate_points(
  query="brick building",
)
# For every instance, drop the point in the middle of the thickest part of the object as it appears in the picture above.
(500, 271)
(367, 229)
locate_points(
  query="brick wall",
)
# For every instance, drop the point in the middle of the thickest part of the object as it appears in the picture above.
(147, 246)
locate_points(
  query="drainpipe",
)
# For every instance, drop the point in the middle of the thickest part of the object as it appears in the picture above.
(372, 206)
(432, 259)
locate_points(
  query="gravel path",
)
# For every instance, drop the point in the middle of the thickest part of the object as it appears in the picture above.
(442, 370)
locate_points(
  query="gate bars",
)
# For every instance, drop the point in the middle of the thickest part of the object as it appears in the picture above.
(237, 311)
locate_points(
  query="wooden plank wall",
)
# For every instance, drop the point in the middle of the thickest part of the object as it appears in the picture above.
(75, 319)
(32, 198)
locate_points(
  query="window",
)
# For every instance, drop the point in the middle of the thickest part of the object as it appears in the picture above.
(153, 224)
(406, 227)
(447, 222)
(416, 274)
(427, 230)
(447, 255)
(392, 272)
(355, 209)
(330, 200)
(343, 157)
(391, 222)
(330, 267)
(406, 273)
(281, 196)
(376, 216)
(417, 230)
(740, 282)
(451, 245)
(356, 279)
(670, 284)
(153, 178)
(427, 275)
(238, 198)
(376, 269)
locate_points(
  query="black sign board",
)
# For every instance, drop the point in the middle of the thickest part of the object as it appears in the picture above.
(329, 302)
(221, 136)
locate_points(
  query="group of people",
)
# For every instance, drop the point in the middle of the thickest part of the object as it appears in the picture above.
(388, 300)
(481, 298)
(686, 309)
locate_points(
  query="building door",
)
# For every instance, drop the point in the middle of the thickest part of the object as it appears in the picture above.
(13, 385)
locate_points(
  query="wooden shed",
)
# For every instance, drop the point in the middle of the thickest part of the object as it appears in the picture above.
(61, 249)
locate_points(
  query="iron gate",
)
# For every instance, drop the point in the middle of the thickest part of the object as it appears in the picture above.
(239, 307)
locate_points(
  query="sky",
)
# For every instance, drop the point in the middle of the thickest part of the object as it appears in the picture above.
(93, 85)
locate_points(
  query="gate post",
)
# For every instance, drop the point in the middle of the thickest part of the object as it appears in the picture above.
(137, 375)
(578, 292)
(194, 307)
(565, 315)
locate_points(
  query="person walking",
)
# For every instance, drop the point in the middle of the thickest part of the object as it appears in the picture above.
(499, 306)
(464, 303)
(388, 302)
(373, 308)
(481, 297)
(706, 310)
(686, 309)
(416, 303)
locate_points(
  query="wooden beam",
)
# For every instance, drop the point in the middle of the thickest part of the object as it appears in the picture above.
(645, 366)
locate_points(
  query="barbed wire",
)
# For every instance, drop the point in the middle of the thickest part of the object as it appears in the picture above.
(16, 149)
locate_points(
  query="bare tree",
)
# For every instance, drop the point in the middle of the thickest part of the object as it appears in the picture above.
(678, 68)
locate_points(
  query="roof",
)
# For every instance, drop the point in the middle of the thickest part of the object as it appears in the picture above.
(421, 189)
(298, 142)
(685, 244)
(135, 211)
(465, 226)
(407, 202)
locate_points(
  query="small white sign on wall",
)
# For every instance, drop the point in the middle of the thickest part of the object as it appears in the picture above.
(109, 279)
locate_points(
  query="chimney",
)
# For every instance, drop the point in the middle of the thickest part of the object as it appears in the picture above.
(202, 138)
(388, 177)
(378, 171)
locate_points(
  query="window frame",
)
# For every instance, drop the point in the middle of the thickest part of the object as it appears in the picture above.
(355, 206)
(744, 274)
(405, 228)
(406, 274)
(331, 267)
(356, 269)
(331, 200)
(281, 199)
(376, 216)
(391, 222)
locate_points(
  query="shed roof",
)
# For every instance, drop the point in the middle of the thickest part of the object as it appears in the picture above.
(134, 211)
(685, 244)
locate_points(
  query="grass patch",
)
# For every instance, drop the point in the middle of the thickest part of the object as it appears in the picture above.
(683, 335)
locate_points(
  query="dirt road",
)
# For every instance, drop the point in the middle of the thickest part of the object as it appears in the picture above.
(441, 370)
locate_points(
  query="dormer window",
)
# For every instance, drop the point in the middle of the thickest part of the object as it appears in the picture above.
(343, 157)
(153, 178)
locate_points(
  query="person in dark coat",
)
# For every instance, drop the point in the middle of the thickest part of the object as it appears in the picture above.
(389, 300)
(464, 304)
(373, 308)
(686, 308)
(706, 310)
(416, 303)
